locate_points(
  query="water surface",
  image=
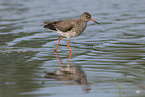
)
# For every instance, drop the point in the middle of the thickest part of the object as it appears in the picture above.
(108, 59)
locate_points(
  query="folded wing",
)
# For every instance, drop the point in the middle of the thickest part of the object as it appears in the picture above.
(63, 25)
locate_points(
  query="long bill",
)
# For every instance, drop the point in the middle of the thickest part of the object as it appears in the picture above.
(94, 21)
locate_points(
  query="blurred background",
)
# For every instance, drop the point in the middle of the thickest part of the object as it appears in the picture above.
(108, 59)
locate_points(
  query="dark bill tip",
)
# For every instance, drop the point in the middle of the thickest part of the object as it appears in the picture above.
(96, 22)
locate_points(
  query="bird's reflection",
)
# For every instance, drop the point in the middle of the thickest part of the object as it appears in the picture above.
(71, 74)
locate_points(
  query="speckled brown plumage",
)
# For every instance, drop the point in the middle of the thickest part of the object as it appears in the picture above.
(70, 27)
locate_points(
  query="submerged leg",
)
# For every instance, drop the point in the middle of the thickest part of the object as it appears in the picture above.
(58, 42)
(69, 58)
(68, 45)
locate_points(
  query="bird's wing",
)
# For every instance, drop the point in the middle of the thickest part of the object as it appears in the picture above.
(63, 25)
(50, 25)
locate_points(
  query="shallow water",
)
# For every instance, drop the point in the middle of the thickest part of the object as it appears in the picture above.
(108, 59)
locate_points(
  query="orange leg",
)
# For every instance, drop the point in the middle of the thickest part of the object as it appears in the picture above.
(58, 42)
(68, 45)
(60, 62)
(69, 58)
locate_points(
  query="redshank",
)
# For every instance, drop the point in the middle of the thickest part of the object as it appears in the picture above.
(70, 27)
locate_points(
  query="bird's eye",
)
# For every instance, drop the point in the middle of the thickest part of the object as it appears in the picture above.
(87, 16)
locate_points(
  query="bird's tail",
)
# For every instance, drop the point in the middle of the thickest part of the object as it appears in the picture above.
(50, 26)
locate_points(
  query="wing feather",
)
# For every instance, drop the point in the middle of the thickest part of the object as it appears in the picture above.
(63, 25)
